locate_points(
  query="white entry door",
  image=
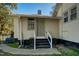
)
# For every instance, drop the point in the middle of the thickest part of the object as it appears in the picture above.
(40, 27)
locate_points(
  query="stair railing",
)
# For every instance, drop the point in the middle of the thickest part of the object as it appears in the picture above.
(49, 37)
(34, 41)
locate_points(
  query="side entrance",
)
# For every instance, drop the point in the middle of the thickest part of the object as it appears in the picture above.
(40, 28)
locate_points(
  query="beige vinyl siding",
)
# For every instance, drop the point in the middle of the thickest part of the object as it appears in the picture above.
(26, 33)
(52, 26)
(16, 27)
(21, 28)
(69, 30)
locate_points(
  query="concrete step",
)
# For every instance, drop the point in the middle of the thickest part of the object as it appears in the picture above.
(45, 43)
(40, 43)
(42, 46)
(41, 40)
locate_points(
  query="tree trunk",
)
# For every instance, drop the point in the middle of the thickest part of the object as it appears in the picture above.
(1, 35)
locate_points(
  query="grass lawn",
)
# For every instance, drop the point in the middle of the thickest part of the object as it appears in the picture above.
(13, 45)
(66, 51)
(69, 51)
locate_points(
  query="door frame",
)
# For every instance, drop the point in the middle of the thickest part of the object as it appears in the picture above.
(37, 29)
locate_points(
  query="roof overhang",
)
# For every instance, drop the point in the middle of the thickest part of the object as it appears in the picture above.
(35, 16)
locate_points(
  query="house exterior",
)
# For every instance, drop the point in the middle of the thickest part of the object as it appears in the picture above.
(26, 25)
(69, 24)
(35, 26)
(64, 24)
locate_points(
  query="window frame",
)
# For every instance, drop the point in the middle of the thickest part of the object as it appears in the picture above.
(31, 24)
(73, 15)
(65, 16)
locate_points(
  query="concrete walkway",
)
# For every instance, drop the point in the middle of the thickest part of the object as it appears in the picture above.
(19, 51)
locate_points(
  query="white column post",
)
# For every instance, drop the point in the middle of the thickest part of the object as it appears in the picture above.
(34, 41)
(20, 31)
(35, 34)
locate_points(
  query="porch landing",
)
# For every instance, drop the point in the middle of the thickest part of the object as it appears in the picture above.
(30, 52)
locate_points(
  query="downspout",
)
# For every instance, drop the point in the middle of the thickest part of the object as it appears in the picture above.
(63, 19)
(22, 33)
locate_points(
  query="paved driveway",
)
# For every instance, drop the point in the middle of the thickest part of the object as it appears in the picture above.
(20, 51)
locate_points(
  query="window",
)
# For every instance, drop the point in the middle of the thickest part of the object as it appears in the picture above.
(30, 24)
(66, 17)
(73, 13)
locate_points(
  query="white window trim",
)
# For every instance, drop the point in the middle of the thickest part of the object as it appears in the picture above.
(76, 12)
(69, 13)
(66, 16)
(30, 24)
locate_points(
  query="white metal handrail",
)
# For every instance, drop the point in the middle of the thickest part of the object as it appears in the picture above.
(49, 36)
(34, 41)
